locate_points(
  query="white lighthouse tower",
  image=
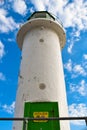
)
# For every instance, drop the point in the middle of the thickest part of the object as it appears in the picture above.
(41, 90)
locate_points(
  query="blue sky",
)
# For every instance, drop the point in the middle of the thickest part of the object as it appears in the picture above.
(73, 14)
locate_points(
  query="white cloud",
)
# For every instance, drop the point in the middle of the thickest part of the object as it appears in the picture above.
(68, 65)
(7, 23)
(55, 7)
(20, 7)
(2, 77)
(75, 69)
(84, 62)
(74, 37)
(79, 70)
(85, 56)
(10, 39)
(78, 18)
(31, 10)
(9, 108)
(72, 87)
(80, 88)
(69, 49)
(39, 4)
(2, 51)
(78, 110)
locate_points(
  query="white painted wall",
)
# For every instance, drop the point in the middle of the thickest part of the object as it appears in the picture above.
(41, 64)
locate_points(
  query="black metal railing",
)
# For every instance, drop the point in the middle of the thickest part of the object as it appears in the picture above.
(26, 119)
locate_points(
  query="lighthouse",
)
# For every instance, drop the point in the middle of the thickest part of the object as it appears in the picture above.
(41, 87)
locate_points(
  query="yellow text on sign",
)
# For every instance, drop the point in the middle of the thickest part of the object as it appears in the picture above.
(40, 115)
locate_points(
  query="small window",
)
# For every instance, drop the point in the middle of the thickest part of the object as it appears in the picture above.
(40, 15)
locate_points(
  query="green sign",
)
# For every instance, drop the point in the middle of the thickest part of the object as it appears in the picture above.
(42, 110)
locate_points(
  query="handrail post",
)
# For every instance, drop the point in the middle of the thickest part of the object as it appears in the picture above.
(25, 124)
(86, 121)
